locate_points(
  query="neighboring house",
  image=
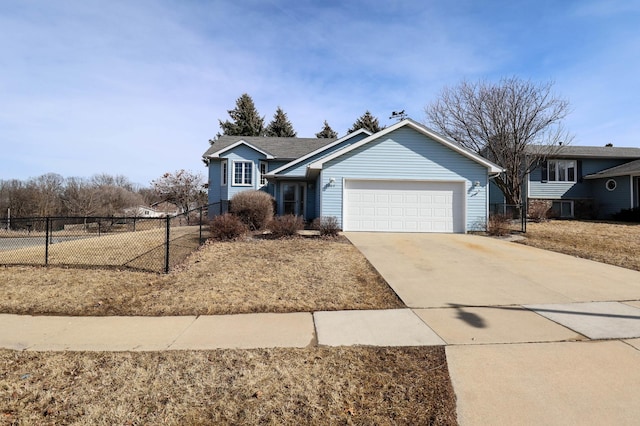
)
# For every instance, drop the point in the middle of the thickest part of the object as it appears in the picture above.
(166, 208)
(143, 211)
(159, 209)
(584, 182)
(405, 178)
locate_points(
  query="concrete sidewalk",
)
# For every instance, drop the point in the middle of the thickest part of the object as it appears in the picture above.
(395, 327)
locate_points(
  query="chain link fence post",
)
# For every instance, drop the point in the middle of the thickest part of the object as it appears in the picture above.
(166, 254)
(46, 241)
(200, 236)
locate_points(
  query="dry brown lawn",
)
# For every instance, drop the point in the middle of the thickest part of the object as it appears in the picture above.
(381, 386)
(256, 275)
(613, 243)
(316, 385)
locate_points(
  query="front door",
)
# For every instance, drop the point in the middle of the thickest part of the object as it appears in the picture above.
(637, 185)
(293, 198)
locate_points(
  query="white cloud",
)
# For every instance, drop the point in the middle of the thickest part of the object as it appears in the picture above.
(137, 88)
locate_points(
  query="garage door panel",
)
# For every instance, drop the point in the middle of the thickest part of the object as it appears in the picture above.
(404, 206)
(410, 212)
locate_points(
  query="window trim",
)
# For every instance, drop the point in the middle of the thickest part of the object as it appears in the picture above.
(243, 173)
(556, 169)
(262, 181)
(571, 203)
(224, 172)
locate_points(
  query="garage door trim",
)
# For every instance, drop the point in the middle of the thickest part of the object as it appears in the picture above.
(459, 217)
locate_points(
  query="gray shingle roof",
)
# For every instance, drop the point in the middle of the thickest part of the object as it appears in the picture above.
(630, 168)
(589, 151)
(280, 148)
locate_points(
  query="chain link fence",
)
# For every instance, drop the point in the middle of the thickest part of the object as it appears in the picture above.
(513, 216)
(155, 244)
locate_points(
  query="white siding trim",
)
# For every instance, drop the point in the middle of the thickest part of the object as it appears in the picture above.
(224, 172)
(241, 142)
(260, 175)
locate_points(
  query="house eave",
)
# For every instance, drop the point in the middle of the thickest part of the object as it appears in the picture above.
(610, 175)
(338, 141)
(218, 154)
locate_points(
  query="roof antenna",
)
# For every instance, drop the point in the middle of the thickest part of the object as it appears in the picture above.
(398, 115)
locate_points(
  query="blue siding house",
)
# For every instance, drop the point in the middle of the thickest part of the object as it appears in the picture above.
(586, 182)
(405, 178)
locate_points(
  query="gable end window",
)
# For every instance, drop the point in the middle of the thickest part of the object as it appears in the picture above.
(243, 173)
(263, 171)
(561, 171)
(223, 173)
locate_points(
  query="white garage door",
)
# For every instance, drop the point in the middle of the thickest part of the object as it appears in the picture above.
(403, 206)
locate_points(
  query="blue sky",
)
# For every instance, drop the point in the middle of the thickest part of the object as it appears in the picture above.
(136, 88)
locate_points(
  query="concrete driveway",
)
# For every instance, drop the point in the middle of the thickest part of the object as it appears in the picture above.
(445, 270)
(529, 333)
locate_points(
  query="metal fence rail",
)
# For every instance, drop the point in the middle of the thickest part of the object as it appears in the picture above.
(515, 213)
(139, 243)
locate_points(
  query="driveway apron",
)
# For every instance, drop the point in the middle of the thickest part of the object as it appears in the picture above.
(448, 270)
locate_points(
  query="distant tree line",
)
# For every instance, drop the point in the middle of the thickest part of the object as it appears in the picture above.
(245, 120)
(100, 195)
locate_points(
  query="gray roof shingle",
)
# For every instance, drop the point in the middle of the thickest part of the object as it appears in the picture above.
(280, 148)
(630, 168)
(589, 151)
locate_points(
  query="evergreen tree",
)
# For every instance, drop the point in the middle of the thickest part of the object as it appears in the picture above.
(280, 126)
(246, 120)
(366, 121)
(326, 132)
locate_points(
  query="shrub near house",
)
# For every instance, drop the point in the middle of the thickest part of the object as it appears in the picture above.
(253, 208)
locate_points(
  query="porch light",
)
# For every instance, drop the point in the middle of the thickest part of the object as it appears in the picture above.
(476, 184)
(332, 181)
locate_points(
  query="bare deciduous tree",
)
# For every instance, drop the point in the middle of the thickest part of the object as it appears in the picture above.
(15, 196)
(53, 195)
(182, 188)
(504, 122)
(113, 194)
(79, 197)
(49, 188)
